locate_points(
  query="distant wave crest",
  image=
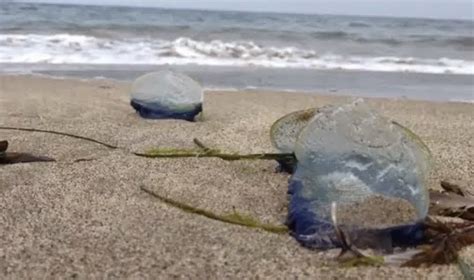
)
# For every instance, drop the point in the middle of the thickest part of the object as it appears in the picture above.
(80, 49)
(466, 42)
(359, 24)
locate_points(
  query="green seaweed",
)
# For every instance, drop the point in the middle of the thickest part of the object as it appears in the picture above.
(249, 221)
(182, 153)
(173, 152)
(167, 152)
(233, 218)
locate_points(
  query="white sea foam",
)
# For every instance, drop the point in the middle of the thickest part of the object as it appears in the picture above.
(462, 100)
(80, 49)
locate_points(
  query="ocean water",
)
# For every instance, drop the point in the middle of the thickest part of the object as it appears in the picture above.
(415, 58)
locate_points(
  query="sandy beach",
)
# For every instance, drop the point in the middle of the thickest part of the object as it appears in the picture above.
(89, 219)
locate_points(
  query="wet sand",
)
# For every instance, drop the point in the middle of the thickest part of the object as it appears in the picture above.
(90, 219)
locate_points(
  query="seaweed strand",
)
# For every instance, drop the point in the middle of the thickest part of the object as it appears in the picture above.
(183, 153)
(201, 145)
(234, 218)
(110, 146)
(167, 152)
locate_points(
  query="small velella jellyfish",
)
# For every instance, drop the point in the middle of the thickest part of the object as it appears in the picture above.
(166, 95)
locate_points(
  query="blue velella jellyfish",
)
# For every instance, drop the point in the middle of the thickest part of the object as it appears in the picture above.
(166, 95)
(352, 156)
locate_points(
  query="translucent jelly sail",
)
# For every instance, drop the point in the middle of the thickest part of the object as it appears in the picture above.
(285, 131)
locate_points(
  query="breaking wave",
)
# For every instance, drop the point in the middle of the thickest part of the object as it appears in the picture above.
(81, 49)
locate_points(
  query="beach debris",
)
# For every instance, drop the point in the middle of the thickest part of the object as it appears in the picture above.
(454, 201)
(3, 147)
(444, 240)
(353, 156)
(166, 95)
(12, 158)
(442, 244)
(456, 188)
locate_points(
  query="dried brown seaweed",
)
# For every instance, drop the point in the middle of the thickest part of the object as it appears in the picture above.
(12, 158)
(452, 205)
(3, 146)
(455, 201)
(444, 241)
(453, 188)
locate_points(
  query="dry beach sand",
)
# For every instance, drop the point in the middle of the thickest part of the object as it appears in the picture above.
(89, 219)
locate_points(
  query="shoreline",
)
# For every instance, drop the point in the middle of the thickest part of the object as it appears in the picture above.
(90, 218)
(253, 90)
(413, 86)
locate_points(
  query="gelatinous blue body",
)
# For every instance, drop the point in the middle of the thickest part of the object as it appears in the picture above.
(316, 231)
(306, 226)
(345, 155)
(166, 95)
(156, 111)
